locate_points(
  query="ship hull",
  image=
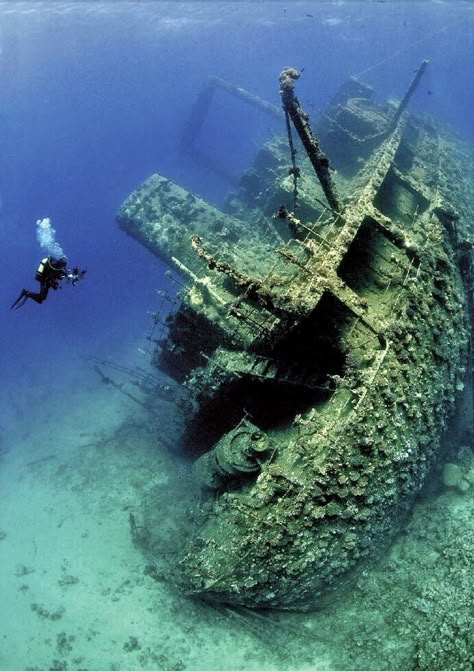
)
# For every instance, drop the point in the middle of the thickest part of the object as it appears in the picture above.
(323, 369)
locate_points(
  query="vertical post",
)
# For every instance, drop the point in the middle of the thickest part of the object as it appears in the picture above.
(404, 102)
(299, 118)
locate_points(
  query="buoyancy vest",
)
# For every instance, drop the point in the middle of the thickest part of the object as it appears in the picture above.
(47, 272)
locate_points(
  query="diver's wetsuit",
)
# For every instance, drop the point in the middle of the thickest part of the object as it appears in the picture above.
(49, 273)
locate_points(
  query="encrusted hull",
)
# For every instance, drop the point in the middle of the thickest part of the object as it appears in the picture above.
(323, 352)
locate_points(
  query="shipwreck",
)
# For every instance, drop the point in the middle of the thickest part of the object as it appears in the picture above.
(323, 335)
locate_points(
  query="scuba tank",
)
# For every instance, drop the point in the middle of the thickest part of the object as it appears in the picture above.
(40, 274)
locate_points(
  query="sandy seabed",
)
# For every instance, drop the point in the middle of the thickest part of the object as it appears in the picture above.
(76, 593)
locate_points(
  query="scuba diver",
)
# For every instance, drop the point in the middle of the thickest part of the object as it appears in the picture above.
(51, 271)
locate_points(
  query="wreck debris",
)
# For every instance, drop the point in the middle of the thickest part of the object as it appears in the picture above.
(141, 379)
(199, 112)
(108, 380)
(345, 346)
(140, 534)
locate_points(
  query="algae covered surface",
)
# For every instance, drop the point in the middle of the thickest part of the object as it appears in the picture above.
(344, 342)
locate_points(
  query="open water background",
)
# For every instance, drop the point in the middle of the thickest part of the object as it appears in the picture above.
(94, 97)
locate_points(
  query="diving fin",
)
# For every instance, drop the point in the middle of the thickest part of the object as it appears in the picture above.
(20, 301)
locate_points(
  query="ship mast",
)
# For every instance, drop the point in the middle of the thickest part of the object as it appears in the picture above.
(298, 116)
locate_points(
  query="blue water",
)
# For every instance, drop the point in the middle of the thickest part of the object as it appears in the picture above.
(94, 97)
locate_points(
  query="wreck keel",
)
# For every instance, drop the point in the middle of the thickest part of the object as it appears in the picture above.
(323, 358)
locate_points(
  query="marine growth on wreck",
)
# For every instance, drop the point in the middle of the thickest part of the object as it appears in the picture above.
(322, 347)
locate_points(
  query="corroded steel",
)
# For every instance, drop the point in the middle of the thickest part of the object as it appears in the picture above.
(345, 345)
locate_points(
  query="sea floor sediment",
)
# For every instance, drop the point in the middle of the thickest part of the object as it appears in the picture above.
(77, 592)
